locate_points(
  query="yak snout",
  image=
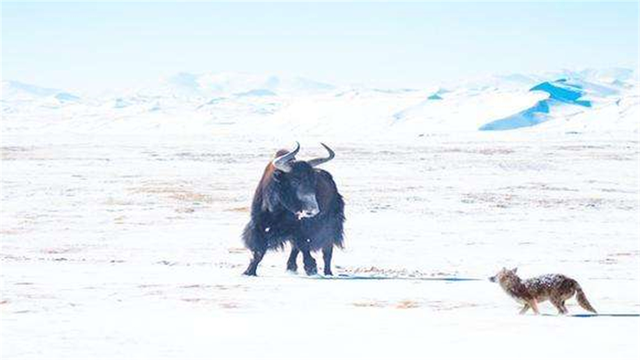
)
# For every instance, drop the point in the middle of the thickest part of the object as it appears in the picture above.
(309, 206)
(307, 214)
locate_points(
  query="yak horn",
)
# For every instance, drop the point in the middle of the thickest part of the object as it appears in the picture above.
(282, 162)
(318, 161)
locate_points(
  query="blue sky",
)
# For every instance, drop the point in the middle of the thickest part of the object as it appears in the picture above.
(98, 46)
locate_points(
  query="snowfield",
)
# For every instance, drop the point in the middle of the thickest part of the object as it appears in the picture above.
(121, 219)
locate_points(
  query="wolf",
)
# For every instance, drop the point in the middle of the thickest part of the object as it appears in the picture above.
(556, 288)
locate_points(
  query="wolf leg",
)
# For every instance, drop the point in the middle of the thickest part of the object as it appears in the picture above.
(524, 309)
(534, 305)
(557, 302)
(564, 308)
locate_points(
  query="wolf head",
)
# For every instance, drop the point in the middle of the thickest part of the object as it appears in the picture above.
(504, 274)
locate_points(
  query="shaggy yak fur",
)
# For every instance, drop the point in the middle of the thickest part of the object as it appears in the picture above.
(296, 203)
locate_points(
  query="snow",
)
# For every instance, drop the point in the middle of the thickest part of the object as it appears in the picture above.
(121, 226)
(562, 91)
(534, 115)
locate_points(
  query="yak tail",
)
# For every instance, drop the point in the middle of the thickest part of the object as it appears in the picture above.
(582, 300)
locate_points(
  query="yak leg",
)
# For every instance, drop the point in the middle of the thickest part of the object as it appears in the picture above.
(292, 263)
(310, 266)
(253, 265)
(327, 253)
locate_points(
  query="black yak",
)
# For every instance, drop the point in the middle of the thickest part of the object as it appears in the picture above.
(298, 203)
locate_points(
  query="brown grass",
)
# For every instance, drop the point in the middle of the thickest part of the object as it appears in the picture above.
(117, 202)
(192, 300)
(178, 193)
(229, 305)
(185, 195)
(236, 250)
(370, 304)
(119, 219)
(407, 304)
(60, 250)
(13, 231)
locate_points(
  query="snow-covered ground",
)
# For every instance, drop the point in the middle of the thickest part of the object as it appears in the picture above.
(121, 219)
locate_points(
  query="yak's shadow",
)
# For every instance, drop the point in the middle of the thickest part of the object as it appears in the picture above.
(377, 277)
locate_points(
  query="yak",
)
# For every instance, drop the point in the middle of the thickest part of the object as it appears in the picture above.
(298, 203)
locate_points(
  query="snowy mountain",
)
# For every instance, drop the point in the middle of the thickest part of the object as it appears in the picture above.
(564, 97)
(15, 91)
(270, 104)
(230, 84)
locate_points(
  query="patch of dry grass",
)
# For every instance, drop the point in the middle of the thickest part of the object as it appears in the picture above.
(407, 304)
(173, 192)
(370, 304)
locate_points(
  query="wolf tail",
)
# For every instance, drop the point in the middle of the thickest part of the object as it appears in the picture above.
(582, 300)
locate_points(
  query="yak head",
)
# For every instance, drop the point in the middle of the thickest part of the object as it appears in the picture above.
(296, 182)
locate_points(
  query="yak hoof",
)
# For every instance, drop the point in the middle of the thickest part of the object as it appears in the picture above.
(250, 273)
(328, 272)
(311, 270)
(292, 268)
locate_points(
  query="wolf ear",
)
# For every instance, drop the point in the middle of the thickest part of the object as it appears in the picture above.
(515, 270)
